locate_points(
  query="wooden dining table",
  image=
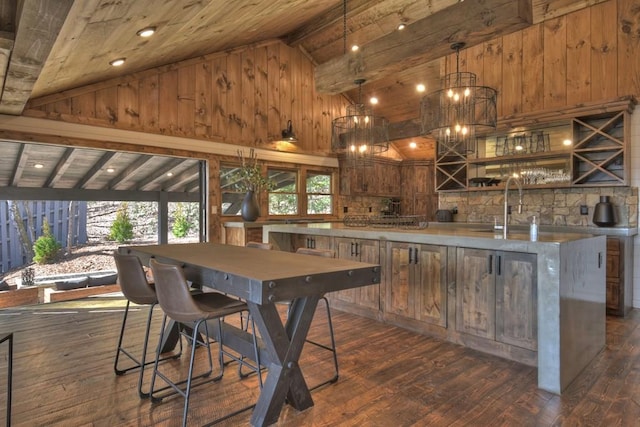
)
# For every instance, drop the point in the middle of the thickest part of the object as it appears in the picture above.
(262, 278)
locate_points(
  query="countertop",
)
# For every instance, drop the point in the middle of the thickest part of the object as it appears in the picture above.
(469, 235)
(517, 229)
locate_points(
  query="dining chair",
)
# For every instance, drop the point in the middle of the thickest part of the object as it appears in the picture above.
(327, 253)
(186, 308)
(137, 290)
(259, 245)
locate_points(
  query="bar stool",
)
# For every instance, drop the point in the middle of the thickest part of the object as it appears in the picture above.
(183, 307)
(137, 290)
(327, 253)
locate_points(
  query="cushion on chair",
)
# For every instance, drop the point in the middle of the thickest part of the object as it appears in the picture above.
(75, 283)
(102, 279)
(4, 286)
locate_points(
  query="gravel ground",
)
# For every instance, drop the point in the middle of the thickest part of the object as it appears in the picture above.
(91, 257)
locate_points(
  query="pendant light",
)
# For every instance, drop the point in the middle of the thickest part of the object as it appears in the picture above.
(359, 135)
(453, 114)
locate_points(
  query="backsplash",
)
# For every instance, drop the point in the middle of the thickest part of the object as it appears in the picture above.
(560, 207)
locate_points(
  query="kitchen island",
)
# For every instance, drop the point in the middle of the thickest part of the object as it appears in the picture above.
(540, 303)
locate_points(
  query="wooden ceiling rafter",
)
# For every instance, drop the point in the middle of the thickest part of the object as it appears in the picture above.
(37, 29)
(159, 174)
(60, 168)
(129, 172)
(426, 40)
(96, 169)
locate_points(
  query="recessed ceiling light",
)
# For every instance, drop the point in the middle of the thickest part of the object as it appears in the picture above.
(401, 27)
(355, 48)
(146, 32)
(373, 100)
(412, 144)
(111, 170)
(169, 173)
(567, 142)
(38, 166)
(117, 62)
(420, 87)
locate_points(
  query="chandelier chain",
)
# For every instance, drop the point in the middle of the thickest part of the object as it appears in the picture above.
(344, 25)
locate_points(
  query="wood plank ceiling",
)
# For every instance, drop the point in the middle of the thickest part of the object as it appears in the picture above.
(50, 46)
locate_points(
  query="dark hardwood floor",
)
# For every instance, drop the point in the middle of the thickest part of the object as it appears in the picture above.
(63, 376)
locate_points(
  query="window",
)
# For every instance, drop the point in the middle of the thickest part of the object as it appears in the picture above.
(229, 190)
(283, 199)
(319, 198)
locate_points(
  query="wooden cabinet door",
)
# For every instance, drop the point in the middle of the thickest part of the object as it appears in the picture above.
(399, 289)
(475, 292)
(345, 249)
(310, 241)
(615, 277)
(431, 289)
(369, 251)
(516, 299)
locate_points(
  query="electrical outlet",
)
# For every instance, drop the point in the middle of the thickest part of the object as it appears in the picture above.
(345, 209)
(584, 210)
(454, 210)
(509, 209)
(370, 209)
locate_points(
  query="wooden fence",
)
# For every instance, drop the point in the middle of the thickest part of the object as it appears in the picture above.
(56, 212)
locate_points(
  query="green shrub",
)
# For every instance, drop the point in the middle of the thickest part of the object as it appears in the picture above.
(181, 224)
(122, 227)
(46, 247)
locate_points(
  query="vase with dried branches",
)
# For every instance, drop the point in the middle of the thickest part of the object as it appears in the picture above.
(250, 179)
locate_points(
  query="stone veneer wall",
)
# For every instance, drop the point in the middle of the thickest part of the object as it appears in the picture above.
(359, 205)
(560, 207)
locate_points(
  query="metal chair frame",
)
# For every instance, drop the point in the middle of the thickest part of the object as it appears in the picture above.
(332, 348)
(200, 325)
(138, 363)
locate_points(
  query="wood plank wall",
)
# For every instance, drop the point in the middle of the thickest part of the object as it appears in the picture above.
(586, 56)
(243, 97)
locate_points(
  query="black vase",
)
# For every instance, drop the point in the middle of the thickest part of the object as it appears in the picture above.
(603, 213)
(250, 209)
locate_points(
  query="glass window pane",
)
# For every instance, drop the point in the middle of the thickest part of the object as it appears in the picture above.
(318, 183)
(319, 204)
(285, 181)
(283, 203)
(229, 178)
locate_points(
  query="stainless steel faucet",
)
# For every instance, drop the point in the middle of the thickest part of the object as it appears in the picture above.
(505, 229)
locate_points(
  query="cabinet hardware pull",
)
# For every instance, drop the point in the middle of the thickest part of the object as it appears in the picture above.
(415, 256)
(357, 249)
(313, 243)
(490, 264)
(599, 259)
(410, 255)
(352, 251)
(499, 266)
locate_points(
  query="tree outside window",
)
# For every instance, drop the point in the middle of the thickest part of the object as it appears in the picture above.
(319, 198)
(283, 199)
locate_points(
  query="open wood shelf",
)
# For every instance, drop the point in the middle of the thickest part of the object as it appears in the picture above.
(598, 156)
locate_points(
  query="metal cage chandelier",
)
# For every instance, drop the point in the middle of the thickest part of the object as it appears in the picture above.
(453, 114)
(359, 135)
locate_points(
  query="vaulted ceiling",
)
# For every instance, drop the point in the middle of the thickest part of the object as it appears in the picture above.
(50, 46)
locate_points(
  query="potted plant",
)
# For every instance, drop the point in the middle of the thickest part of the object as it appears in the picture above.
(250, 180)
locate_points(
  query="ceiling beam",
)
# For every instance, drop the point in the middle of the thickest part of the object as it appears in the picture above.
(181, 181)
(159, 174)
(24, 193)
(61, 167)
(20, 163)
(96, 169)
(129, 172)
(37, 27)
(428, 39)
